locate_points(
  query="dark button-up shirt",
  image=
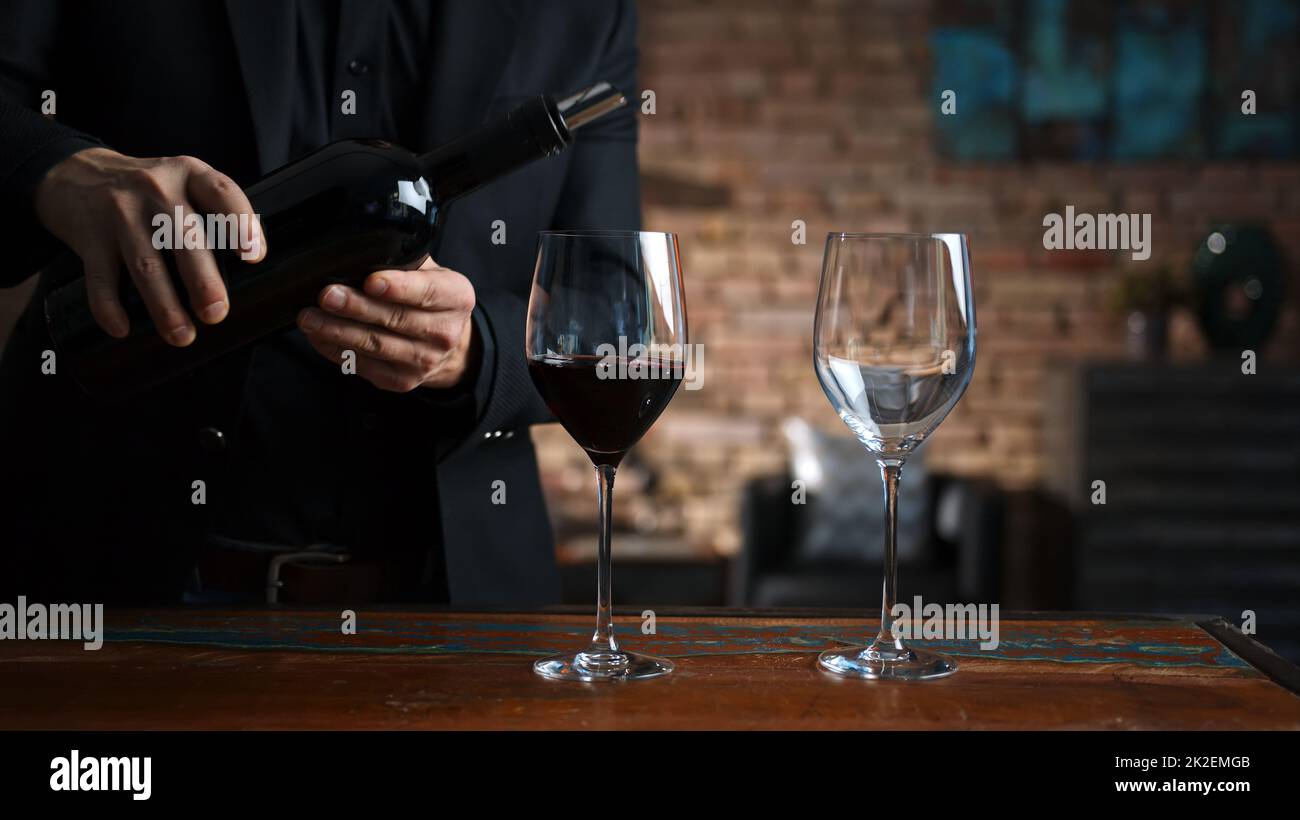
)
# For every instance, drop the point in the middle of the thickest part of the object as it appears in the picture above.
(361, 80)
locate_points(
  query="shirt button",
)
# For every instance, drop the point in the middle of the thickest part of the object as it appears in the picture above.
(358, 67)
(212, 439)
(369, 422)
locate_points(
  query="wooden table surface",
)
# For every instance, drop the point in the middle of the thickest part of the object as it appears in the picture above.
(223, 669)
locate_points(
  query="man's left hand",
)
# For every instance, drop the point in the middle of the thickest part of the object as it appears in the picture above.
(408, 328)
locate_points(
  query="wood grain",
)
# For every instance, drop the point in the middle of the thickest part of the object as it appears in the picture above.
(207, 669)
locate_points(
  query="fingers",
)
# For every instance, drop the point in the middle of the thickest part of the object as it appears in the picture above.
(214, 192)
(198, 270)
(102, 271)
(370, 340)
(385, 375)
(149, 273)
(428, 288)
(414, 322)
(441, 328)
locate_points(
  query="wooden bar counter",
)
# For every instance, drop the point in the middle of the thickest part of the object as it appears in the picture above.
(280, 668)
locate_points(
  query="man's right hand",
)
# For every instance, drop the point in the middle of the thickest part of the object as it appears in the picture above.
(101, 204)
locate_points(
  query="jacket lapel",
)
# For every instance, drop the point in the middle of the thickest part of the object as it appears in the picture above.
(262, 33)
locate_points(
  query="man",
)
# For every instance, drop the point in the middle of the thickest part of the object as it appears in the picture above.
(158, 104)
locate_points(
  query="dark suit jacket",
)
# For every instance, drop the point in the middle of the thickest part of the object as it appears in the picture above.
(95, 502)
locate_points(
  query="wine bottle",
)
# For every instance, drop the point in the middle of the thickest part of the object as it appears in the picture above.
(334, 216)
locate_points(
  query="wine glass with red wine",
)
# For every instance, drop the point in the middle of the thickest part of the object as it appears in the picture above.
(606, 346)
(894, 348)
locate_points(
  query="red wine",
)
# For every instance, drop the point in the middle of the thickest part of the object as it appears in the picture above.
(605, 414)
(331, 217)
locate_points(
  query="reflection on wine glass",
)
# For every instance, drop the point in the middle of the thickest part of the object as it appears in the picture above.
(606, 340)
(894, 348)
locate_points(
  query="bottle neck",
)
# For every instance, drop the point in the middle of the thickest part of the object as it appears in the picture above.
(529, 132)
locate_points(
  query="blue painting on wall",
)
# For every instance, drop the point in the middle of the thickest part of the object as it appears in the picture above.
(1159, 81)
(987, 72)
(1259, 44)
(1130, 80)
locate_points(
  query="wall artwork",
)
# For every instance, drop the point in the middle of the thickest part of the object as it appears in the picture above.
(1131, 80)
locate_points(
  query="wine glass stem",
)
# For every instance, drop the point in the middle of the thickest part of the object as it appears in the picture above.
(890, 470)
(603, 639)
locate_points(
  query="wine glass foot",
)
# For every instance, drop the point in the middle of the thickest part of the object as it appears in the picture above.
(886, 663)
(596, 666)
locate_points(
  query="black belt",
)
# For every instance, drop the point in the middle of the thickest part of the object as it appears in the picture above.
(323, 575)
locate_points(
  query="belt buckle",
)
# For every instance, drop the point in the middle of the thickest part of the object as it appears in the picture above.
(273, 582)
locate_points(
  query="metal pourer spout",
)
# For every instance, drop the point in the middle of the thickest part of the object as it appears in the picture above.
(590, 104)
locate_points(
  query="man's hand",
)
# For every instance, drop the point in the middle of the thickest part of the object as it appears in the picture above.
(101, 205)
(408, 328)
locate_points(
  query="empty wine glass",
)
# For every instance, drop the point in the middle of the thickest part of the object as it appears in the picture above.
(894, 348)
(606, 343)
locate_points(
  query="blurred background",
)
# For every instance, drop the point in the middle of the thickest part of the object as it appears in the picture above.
(762, 119)
(1091, 366)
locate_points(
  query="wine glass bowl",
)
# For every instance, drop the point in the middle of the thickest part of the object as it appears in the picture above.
(894, 349)
(605, 342)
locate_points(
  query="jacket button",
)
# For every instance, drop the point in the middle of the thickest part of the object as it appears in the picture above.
(369, 422)
(358, 67)
(212, 439)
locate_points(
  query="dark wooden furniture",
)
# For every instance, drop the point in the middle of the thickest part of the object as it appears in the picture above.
(997, 545)
(209, 669)
(1201, 465)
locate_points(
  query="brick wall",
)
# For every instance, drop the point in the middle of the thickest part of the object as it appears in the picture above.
(779, 110)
